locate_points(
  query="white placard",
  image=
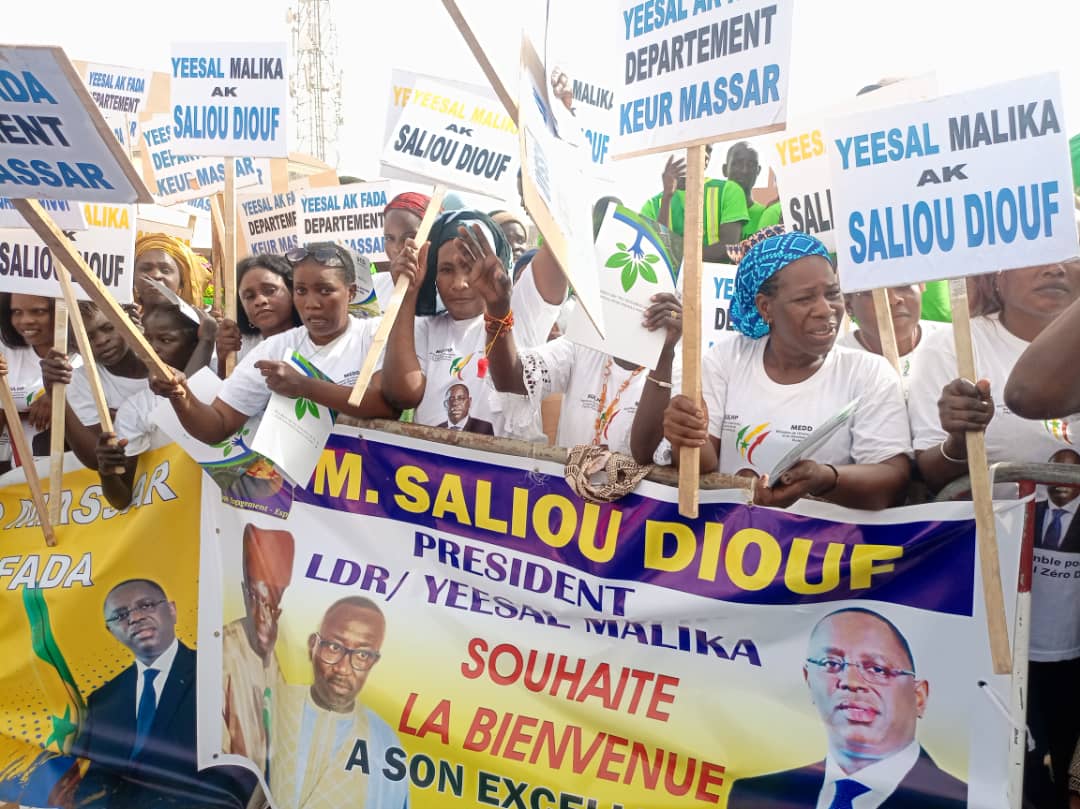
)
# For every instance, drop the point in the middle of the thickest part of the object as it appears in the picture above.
(697, 72)
(118, 91)
(107, 245)
(66, 214)
(229, 98)
(457, 137)
(717, 290)
(268, 222)
(352, 214)
(176, 177)
(634, 265)
(54, 141)
(802, 165)
(293, 432)
(956, 186)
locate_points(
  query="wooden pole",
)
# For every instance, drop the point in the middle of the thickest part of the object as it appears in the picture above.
(82, 340)
(981, 492)
(64, 253)
(689, 457)
(217, 239)
(228, 263)
(886, 330)
(26, 455)
(507, 98)
(56, 425)
(393, 306)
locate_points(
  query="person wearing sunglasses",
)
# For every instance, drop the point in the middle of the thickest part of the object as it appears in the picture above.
(324, 282)
(318, 726)
(138, 731)
(863, 681)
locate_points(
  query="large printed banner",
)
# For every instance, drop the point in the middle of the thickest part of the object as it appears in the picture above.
(454, 628)
(701, 71)
(954, 186)
(107, 245)
(77, 624)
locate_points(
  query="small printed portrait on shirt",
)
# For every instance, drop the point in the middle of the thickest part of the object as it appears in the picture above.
(865, 684)
(458, 403)
(1055, 528)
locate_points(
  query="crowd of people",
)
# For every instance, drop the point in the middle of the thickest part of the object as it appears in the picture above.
(476, 348)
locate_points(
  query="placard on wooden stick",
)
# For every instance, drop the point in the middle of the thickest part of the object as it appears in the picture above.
(58, 395)
(26, 455)
(501, 90)
(689, 457)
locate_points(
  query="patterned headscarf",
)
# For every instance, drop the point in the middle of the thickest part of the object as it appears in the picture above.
(764, 260)
(445, 229)
(410, 201)
(194, 277)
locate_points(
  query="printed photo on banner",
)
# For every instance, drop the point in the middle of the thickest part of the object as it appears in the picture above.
(952, 186)
(107, 245)
(62, 147)
(229, 98)
(98, 680)
(453, 134)
(698, 71)
(665, 651)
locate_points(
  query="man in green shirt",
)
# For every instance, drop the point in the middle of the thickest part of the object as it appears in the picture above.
(724, 212)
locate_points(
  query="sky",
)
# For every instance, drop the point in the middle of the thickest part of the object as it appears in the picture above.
(839, 46)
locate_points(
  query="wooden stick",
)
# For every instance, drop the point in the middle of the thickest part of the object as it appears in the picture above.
(217, 238)
(393, 306)
(56, 425)
(886, 329)
(64, 253)
(507, 98)
(981, 492)
(82, 340)
(228, 256)
(689, 457)
(26, 455)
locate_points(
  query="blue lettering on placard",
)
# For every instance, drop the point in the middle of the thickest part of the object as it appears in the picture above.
(22, 88)
(886, 146)
(999, 216)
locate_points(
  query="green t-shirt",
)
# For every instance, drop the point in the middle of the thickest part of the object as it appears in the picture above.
(724, 202)
(772, 215)
(751, 227)
(935, 302)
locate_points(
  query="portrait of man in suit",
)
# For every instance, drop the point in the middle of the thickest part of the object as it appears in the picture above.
(458, 403)
(139, 729)
(250, 672)
(1055, 528)
(319, 726)
(863, 681)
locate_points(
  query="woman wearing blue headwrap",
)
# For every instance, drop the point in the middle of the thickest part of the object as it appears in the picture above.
(450, 308)
(770, 383)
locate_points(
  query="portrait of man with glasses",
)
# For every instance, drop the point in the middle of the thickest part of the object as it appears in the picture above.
(319, 726)
(862, 678)
(458, 403)
(138, 732)
(250, 672)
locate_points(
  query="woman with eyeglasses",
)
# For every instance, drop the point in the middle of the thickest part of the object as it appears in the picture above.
(452, 341)
(324, 282)
(264, 294)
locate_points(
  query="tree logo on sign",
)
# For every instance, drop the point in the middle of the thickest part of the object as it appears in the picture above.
(634, 262)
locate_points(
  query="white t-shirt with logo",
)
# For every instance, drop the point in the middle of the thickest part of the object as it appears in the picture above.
(580, 373)
(1008, 438)
(135, 422)
(758, 420)
(907, 361)
(451, 352)
(245, 390)
(117, 389)
(24, 381)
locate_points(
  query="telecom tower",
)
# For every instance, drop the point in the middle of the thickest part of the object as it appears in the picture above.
(315, 79)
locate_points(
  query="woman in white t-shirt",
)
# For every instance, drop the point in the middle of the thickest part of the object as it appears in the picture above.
(1010, 310)
(26, 330)
(451, 342)
(767, 386)
(324, 282)
(905, 305)
(123, 376)
(264, 294)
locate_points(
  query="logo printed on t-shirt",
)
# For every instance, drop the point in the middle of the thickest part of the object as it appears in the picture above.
(1058, 429)
(457, 367)
(750, 438)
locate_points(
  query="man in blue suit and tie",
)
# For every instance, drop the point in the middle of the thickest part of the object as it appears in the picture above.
(863, 681)
(139, 728)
